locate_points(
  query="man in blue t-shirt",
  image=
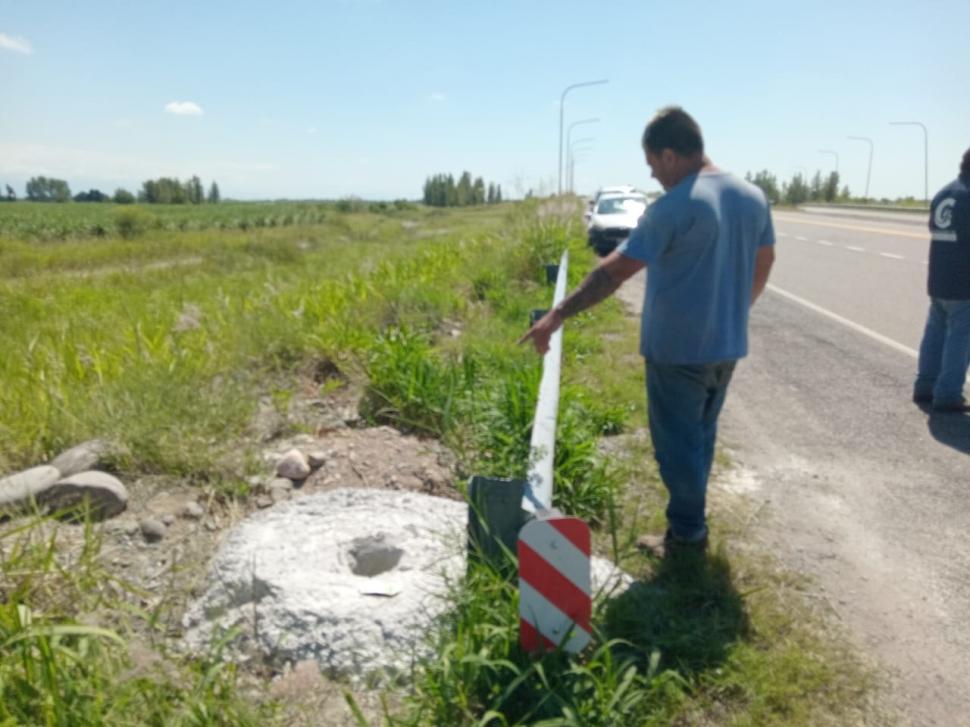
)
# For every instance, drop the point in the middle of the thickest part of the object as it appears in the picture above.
(708, 246)
(944, 353)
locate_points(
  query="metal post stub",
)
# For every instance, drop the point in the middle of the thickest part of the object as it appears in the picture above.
(495, 517)
(555, 605)
(552, 272)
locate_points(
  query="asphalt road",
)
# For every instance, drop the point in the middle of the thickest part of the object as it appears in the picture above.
(853, 484)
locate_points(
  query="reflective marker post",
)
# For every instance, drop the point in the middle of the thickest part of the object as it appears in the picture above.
(553, 550)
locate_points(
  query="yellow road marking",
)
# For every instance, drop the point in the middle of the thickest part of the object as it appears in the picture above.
(880, 230)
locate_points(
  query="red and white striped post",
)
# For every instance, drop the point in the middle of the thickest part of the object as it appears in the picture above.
(554, 568)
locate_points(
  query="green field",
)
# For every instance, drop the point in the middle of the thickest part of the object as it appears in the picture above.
(164, 342)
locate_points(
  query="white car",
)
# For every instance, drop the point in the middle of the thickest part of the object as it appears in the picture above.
(612, 219)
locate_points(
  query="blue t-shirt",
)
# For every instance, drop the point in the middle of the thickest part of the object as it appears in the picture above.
(699, 243)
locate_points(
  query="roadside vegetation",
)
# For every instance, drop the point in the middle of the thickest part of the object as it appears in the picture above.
(164, 341)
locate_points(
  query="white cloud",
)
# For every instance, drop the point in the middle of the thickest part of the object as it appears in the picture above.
(183, 108)
(437, 96)
(18, 45)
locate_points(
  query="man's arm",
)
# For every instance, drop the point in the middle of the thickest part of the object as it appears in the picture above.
(600, 284)
(763, 261)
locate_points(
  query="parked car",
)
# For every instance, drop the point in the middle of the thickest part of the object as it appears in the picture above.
(612, 219)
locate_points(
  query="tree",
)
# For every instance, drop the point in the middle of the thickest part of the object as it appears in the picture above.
(94, 195)
(11, 195)
(816, 192)
(768, 184)
(796, 191)
(194, 192)
(123, 196)
(490, 198)
(44, 189)
(830, 189)
(213, 193)
(498, 192)
(478, 191)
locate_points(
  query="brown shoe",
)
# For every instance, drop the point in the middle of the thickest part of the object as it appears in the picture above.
(668, 544)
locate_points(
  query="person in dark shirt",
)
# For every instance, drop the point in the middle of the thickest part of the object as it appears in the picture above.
(944, 353)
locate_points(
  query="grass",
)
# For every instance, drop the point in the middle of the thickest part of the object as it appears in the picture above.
(165, 343)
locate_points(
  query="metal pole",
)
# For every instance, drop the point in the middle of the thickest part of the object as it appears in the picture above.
(926, 155)
(869, 171)
(571, 150)
(569, 133)
(562, 108)
(538, 492)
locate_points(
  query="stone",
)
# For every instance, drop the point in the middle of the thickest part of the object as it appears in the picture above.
(107, 495)
(278, 494)
(17, 491)
(263, 501)
(168, 518)
(193, 510)
(279, 483)
(153, 530)
(293, 465)
(83, 457)
(316, 459)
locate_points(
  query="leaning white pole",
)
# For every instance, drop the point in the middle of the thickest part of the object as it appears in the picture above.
(542, 449)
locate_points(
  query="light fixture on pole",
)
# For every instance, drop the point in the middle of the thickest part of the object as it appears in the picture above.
(926, 154)
(562, 108)
(833, 153)
(869, 170)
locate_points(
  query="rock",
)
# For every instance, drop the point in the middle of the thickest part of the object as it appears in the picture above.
(83, 457)
(293, 465)
(193, 510)
(153, 530)
(278, 494)
(123, 526)
(18, 490)
(107, 495)
(263, 502)
(168, 518)
(279, 483)
(316, 459)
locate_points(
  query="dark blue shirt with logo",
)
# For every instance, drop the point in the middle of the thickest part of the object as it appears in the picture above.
(949, 276)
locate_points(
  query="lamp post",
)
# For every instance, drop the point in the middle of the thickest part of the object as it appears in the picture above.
(926, 156)
(575, 152)
(562, 108)
(833, 153)
(571, 149)
(869, 170)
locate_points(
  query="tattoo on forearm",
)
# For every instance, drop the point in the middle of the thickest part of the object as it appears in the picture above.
(597, 286)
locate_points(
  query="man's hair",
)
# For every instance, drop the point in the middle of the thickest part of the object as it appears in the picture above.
(675, 129)
(965, 164)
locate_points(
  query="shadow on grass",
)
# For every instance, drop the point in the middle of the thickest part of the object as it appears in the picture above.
(688, 613)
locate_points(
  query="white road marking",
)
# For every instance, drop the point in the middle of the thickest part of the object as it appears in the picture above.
(892, 256)
(854, 248)
(799, 237)
(782, 234)
(824, 242)
(846, 322)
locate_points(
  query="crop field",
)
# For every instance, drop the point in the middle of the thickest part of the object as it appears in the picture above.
(40, 221)
(166, 339)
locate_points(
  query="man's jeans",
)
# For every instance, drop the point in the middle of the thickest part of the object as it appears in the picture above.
(683, 403)
(944, 353)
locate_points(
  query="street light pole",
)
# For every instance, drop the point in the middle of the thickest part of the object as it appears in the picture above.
(562, 108)
(571, 149)
(833, 153)
(869, 171)
(569, 134)
(926, 155)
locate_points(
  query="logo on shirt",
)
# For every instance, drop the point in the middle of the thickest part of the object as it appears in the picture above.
(943, 217)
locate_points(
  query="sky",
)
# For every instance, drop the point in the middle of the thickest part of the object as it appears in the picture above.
(333, 98)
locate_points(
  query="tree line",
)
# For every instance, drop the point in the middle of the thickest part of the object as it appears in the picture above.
(164, 190)
(441, 190)
(799, 189)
